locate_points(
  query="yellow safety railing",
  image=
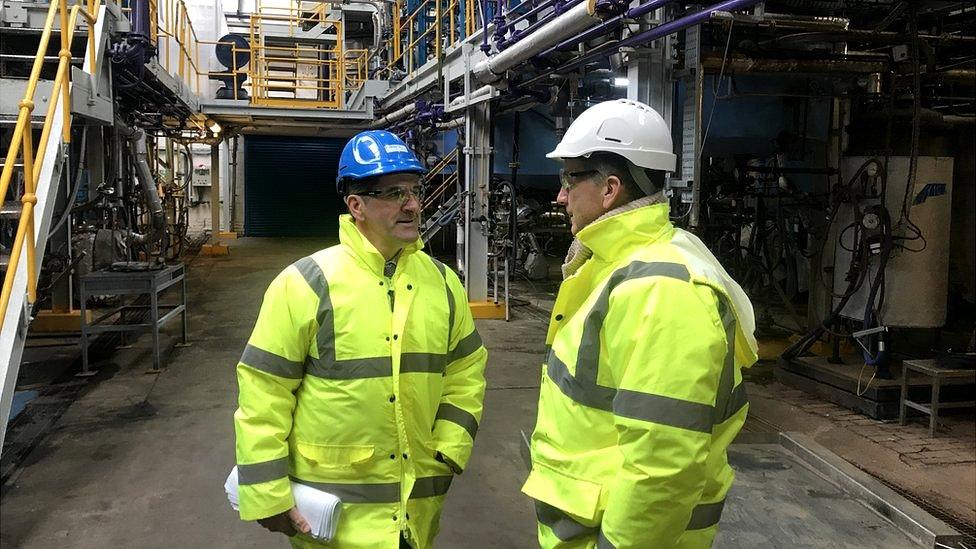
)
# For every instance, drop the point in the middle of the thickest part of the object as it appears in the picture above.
(357, 67)
(409, 36)
(296, 74)
(287, 71)
(22, 141)
(448, 182)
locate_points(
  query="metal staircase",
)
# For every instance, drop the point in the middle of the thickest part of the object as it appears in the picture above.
(441, 207)
(36, 148)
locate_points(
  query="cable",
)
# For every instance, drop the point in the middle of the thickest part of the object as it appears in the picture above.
(721, 73)
(916, 131)
(76, 186)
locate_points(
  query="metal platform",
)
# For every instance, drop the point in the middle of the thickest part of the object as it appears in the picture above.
(133, 283)
(792, 492)
(847, 385)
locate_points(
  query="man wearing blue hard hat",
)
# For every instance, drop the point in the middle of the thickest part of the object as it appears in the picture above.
(364, 376)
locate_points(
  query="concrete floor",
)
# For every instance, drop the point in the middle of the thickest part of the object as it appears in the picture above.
(139, 460)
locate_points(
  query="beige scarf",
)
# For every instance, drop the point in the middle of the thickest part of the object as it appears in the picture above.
(578, 253)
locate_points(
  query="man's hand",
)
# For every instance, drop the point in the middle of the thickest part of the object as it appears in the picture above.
(288, 523)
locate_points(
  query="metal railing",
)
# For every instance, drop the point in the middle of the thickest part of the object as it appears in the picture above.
(22, 141)
(418, 34)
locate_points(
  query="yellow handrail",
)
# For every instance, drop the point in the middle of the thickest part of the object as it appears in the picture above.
(22, 141)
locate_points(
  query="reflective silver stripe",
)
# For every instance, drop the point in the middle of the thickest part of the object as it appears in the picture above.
(450, 412)
(603, 543)
(358, 493)
(266, 471)
(424, 487)
(727, 377)
(422, 362)
(325, 338)
(737, 402)
(561, 524)
(450, 300)
(663, 410)
(588, 358)
(315, 279)
(468, 345)
(270, 363)
(705, 515)
(364, 368)
(583, 388)
(427, 487)
(592, 395)
(356, 368)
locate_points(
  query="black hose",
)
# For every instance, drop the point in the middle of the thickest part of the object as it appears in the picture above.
(76, 184)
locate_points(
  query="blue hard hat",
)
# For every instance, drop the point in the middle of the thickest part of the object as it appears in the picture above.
(373, 153)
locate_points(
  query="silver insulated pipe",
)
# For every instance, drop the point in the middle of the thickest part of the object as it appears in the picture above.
(137, 142)
(393, 117)
(571, 23)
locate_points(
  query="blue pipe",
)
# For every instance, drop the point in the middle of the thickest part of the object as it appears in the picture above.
(529, 13)
(659, 31)
(558, 8)
(605, 27)
(484, 31)
(499, 21)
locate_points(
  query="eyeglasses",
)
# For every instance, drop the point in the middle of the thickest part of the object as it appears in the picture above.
(397, 194)
(566, 179)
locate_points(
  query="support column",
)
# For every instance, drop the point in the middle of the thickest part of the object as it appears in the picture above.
(214, 247)
(477, 179)
(691, 126)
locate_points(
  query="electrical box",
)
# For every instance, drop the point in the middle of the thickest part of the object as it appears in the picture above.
(201, 174)
(916, 282)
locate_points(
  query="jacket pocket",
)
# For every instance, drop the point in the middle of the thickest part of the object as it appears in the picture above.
(335, 456)
(573, 495)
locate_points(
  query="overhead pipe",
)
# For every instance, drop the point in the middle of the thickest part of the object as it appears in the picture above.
(394, 116)
(606, 27)
(573, 21)
(473, 96)
(517, 34)
(659, 31)
(536, 9)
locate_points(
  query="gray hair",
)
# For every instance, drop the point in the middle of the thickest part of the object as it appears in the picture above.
(637, 182)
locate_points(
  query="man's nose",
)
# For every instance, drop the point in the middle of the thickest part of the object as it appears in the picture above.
(412, 204)
(563, 197)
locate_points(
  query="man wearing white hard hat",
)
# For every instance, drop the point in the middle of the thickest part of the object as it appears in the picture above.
(642, 385)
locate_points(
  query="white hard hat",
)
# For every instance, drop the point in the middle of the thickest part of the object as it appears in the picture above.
(628, 128)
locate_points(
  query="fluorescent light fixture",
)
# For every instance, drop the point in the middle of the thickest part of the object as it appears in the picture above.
(621, 82)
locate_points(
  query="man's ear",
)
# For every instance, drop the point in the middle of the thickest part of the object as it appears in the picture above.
(613, 191)
(355, 204)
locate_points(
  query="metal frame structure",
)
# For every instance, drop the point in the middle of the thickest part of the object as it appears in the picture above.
(151, 283)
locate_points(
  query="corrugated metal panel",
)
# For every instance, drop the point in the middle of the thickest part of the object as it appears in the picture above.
(289, 186)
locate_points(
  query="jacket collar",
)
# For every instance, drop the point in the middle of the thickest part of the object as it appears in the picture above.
(363, 249)
(617, 235)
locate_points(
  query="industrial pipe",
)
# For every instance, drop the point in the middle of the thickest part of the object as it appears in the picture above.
(573, 21)
(518, 35)
(653, 34)
(394, 116)
(536, 9)
(739, 64)
(606, 27)
(137, 144)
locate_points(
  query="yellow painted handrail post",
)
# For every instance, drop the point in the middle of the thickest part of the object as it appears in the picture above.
(29, 199)
(437, 33)
(66, 33)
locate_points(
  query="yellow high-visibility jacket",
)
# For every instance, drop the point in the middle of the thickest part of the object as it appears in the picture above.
(352, 382)
(641, 390)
